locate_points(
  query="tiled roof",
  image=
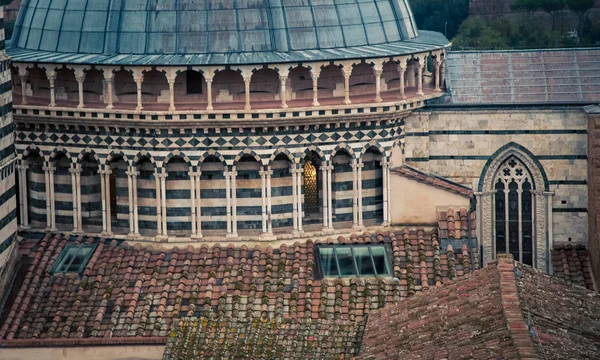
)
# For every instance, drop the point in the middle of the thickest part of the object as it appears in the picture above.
(519, 77)
(429, 179)
(470, 318)
(141, 291)
(455, 224)
(256, 338)
(564, 319)
(505, 310)
(571, 263)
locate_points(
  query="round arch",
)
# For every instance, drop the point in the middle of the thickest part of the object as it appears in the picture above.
(247, 153)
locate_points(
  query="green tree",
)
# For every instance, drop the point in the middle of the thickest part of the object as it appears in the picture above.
(475, 34)
(552, 7)
(443, 16)
(580, 7)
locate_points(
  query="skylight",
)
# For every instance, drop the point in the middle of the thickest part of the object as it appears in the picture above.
(354, 260)
(73, 259)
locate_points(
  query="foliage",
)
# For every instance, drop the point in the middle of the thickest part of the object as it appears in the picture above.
(580, 7)
(475, 33)
(435, 14)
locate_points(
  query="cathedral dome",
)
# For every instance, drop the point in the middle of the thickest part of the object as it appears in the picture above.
(219, 31)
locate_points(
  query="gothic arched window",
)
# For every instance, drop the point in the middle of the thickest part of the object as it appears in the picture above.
(514, 211)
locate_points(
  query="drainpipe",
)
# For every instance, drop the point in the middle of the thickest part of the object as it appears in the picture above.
(472, 209)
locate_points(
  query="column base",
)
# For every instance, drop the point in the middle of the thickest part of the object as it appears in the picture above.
(231, 235)
(162, 238)
(420, 93)
(316, 103)
(110, 107)
(196, 236)
(24, 227)
(133, 235)
(77, 232)
(172, 108)
(209, 108)
(328, 230)
(80, 106)
(385, 223)
(51, 229)
(267, 236)
(347, 102)
(378, 100)
(357, 227)
(107, 234)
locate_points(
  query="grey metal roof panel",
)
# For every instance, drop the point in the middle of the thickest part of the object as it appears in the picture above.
(426, 41)
(536, 76)
(112, 27)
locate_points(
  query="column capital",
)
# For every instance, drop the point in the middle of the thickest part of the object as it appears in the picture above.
(549, 193)
(79, 74)
(195, 173)
(76, 170)
(48, 168)
(161, 175)
(484, 193)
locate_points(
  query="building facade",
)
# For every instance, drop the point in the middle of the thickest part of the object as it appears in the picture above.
(8, 166)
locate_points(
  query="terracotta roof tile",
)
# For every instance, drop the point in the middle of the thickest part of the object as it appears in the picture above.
(505, 310)
(140, 291)
(571, 263)
(433, 180)
(454, 224)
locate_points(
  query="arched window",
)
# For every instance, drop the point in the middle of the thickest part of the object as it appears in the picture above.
(513, 210)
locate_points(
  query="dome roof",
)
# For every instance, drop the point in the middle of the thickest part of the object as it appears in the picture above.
(215, 27)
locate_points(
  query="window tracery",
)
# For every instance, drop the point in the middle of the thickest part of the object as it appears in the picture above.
(514, 211)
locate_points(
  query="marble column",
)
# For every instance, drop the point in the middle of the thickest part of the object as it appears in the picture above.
(283, 95)
(402, 70)
(420, 66)
(228, 201)
(23, 77)
(130, 185)
(384, 169)
(105, 199)
(72, 170)
(324, 193)
(315, 81)
(49, 184)
(136, 220)
(171, 81)
(163, 195)
(80, 77)
(378, 73)
(198, 206)
(247, 92)
(436, 74)
(107, 174)
(330, 195)
(193, 203)
(354, 194)
(360, 195)
(549, 201)
(299, 198)
(269, 208)
(234, 202)
(443, 72)
(294, 199)
(209, 100)
(109, 78)
(159, 230)
(347, 73)
(389, 192)
(79, 210)
(52, 80)
(263, 195)
(22, 186)
(139, 80)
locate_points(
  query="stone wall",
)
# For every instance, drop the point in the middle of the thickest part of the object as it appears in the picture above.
(594, 188)
(8, 189)
(457, 143)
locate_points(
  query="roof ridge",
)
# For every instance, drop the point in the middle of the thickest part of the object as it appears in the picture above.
(433, 180)
(511, 307)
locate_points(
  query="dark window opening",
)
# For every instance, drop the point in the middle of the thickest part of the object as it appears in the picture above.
(354, 260)
(194, 82)
(500, 218)
(73, 259)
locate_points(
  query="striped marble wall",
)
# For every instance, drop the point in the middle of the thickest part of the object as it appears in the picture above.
(91, 196)
(249, 195)
(36, 193)
(341, 187)
(63, 193)
(179, 203)
(372, 187)
(146, 191)
(119, 189)
(213, 195)
(281, 193)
